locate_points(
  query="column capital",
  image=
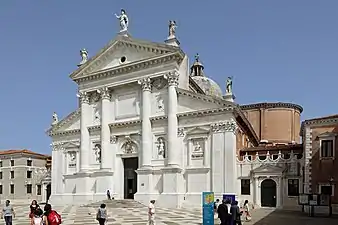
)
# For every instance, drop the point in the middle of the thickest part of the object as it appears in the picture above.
(172, 78)
(145, 84)
(104, 93)
(83, 96)
(224, 126)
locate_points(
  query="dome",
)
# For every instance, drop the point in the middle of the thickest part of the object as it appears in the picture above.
(209, 86)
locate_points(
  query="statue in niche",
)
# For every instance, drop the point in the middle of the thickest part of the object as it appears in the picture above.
(160, 103)
(128, 146)
(228, 89)
(161, 148)
(97, 151)
(124, 21)
(55, 118)
(97, 112)
(172, 28)
(72, 156)
(198, 150)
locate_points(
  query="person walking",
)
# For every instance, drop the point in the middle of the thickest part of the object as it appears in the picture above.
(151, 213)
(33, 207)
(101, 214)
(8, 213)
(236, 214)
(51, 217)
(246, 210)
(224, 212)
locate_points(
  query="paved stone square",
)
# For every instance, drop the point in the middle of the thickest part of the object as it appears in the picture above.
(118, 215)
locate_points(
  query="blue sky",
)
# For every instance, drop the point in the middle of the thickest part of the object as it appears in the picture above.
(276, 50)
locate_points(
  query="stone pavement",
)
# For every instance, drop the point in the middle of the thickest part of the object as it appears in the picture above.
(121, 214)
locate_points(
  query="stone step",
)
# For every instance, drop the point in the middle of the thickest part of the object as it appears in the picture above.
(123, 203)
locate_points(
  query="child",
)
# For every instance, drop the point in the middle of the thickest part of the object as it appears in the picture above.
(37, 217)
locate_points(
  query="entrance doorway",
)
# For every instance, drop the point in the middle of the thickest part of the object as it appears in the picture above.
(268, 193)
(130, 177)
(48, 191)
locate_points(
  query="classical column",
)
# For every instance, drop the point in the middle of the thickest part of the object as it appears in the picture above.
(173, 152)
(146, 124)
(85, 141)
(105, 131)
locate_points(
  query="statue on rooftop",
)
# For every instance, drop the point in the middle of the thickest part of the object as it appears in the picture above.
(124, 21)
(172, 28)
(197, 57)
(84, 56)
(228, 89)
(55, 118)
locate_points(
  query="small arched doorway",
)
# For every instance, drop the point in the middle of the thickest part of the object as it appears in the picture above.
(268, 193)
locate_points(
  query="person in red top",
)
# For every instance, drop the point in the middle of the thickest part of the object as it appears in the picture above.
(51, 217)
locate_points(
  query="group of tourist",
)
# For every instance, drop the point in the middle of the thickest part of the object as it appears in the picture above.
(230, 213)
(37, 216)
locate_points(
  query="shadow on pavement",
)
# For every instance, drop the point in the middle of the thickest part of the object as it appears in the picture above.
(279, 217)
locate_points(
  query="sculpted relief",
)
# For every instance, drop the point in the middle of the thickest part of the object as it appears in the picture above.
(161, 148)
(129, 146)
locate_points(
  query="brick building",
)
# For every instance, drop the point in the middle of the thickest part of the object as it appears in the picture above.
(320, 150)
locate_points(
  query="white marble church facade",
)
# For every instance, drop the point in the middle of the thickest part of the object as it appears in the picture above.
(146, 128)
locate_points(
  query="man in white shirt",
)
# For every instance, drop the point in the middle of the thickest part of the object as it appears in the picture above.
(151, 213)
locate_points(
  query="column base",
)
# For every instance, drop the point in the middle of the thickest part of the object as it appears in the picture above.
(170, 200)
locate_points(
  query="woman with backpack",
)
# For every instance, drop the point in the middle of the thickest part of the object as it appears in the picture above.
(51, 217)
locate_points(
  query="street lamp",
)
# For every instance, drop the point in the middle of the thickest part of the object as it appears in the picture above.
(330, 203)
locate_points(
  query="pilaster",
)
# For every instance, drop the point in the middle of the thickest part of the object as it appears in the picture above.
(85, 140)
(146, 151)
(224, 157)
(106, 157)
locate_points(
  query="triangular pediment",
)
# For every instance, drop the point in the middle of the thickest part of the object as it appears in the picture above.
(189, 101)
(268, 169)
(72, 145)
(327, 135)
(120, 52)
(197, 130)
(70, 122)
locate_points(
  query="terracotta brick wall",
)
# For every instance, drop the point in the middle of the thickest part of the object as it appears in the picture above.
(323, 170)
(280, 125)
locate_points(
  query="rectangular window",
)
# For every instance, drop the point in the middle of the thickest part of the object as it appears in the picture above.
(326, 148)
(0, 189)
(29, 174)
(29, 162)
(0, 163)
(245, 186)
(0, 175)
(12, 175)
(326, 189)
(12, 188)
(38, 189)
(29, 188)
(12, 162)
(293, 187)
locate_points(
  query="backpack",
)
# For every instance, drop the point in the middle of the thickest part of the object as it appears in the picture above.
(54, 218)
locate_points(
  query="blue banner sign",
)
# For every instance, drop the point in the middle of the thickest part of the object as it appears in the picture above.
(208, 208)
(229, 197)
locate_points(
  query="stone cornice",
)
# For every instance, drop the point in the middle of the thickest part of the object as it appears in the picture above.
(132, 67)
(205, 112)
(319, 122)
(65, 133)
(267, 105)
(64, 121)
(125, 123)
(94, 128)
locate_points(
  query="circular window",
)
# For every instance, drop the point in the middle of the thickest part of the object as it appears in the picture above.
(123, 59)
